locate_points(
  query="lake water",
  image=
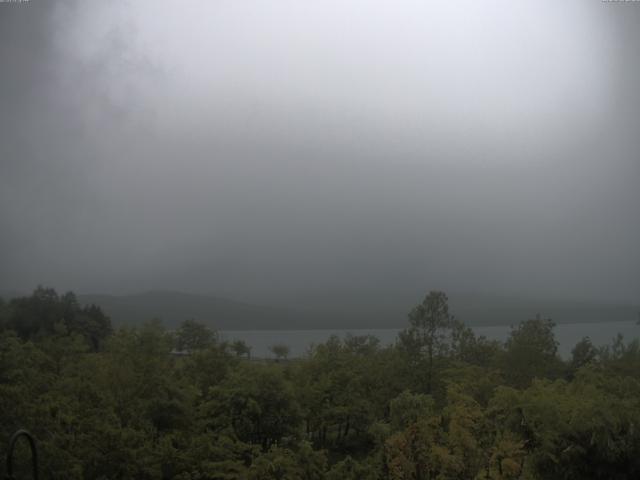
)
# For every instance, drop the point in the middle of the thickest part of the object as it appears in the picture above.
(299, 341)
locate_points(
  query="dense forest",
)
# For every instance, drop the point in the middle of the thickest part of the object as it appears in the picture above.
(441, 403)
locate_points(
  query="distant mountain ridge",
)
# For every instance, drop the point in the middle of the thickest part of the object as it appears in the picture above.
(224, 314)
(173, 307)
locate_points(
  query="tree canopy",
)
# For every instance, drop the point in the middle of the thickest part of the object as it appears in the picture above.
(147, 403)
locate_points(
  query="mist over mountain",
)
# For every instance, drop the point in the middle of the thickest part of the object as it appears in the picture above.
(287, 153)
(225, 314)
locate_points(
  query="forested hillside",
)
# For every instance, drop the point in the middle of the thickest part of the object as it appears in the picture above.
(441, 403)
(173, 307)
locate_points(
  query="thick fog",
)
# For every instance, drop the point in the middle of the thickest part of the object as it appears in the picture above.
(299, 152)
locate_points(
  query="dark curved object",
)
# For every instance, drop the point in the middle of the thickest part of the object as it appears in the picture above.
(34, 453)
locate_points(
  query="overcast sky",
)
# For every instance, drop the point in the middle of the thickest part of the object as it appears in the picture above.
(292, 151)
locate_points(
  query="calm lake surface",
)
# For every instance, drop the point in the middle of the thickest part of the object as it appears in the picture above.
(299, 341)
